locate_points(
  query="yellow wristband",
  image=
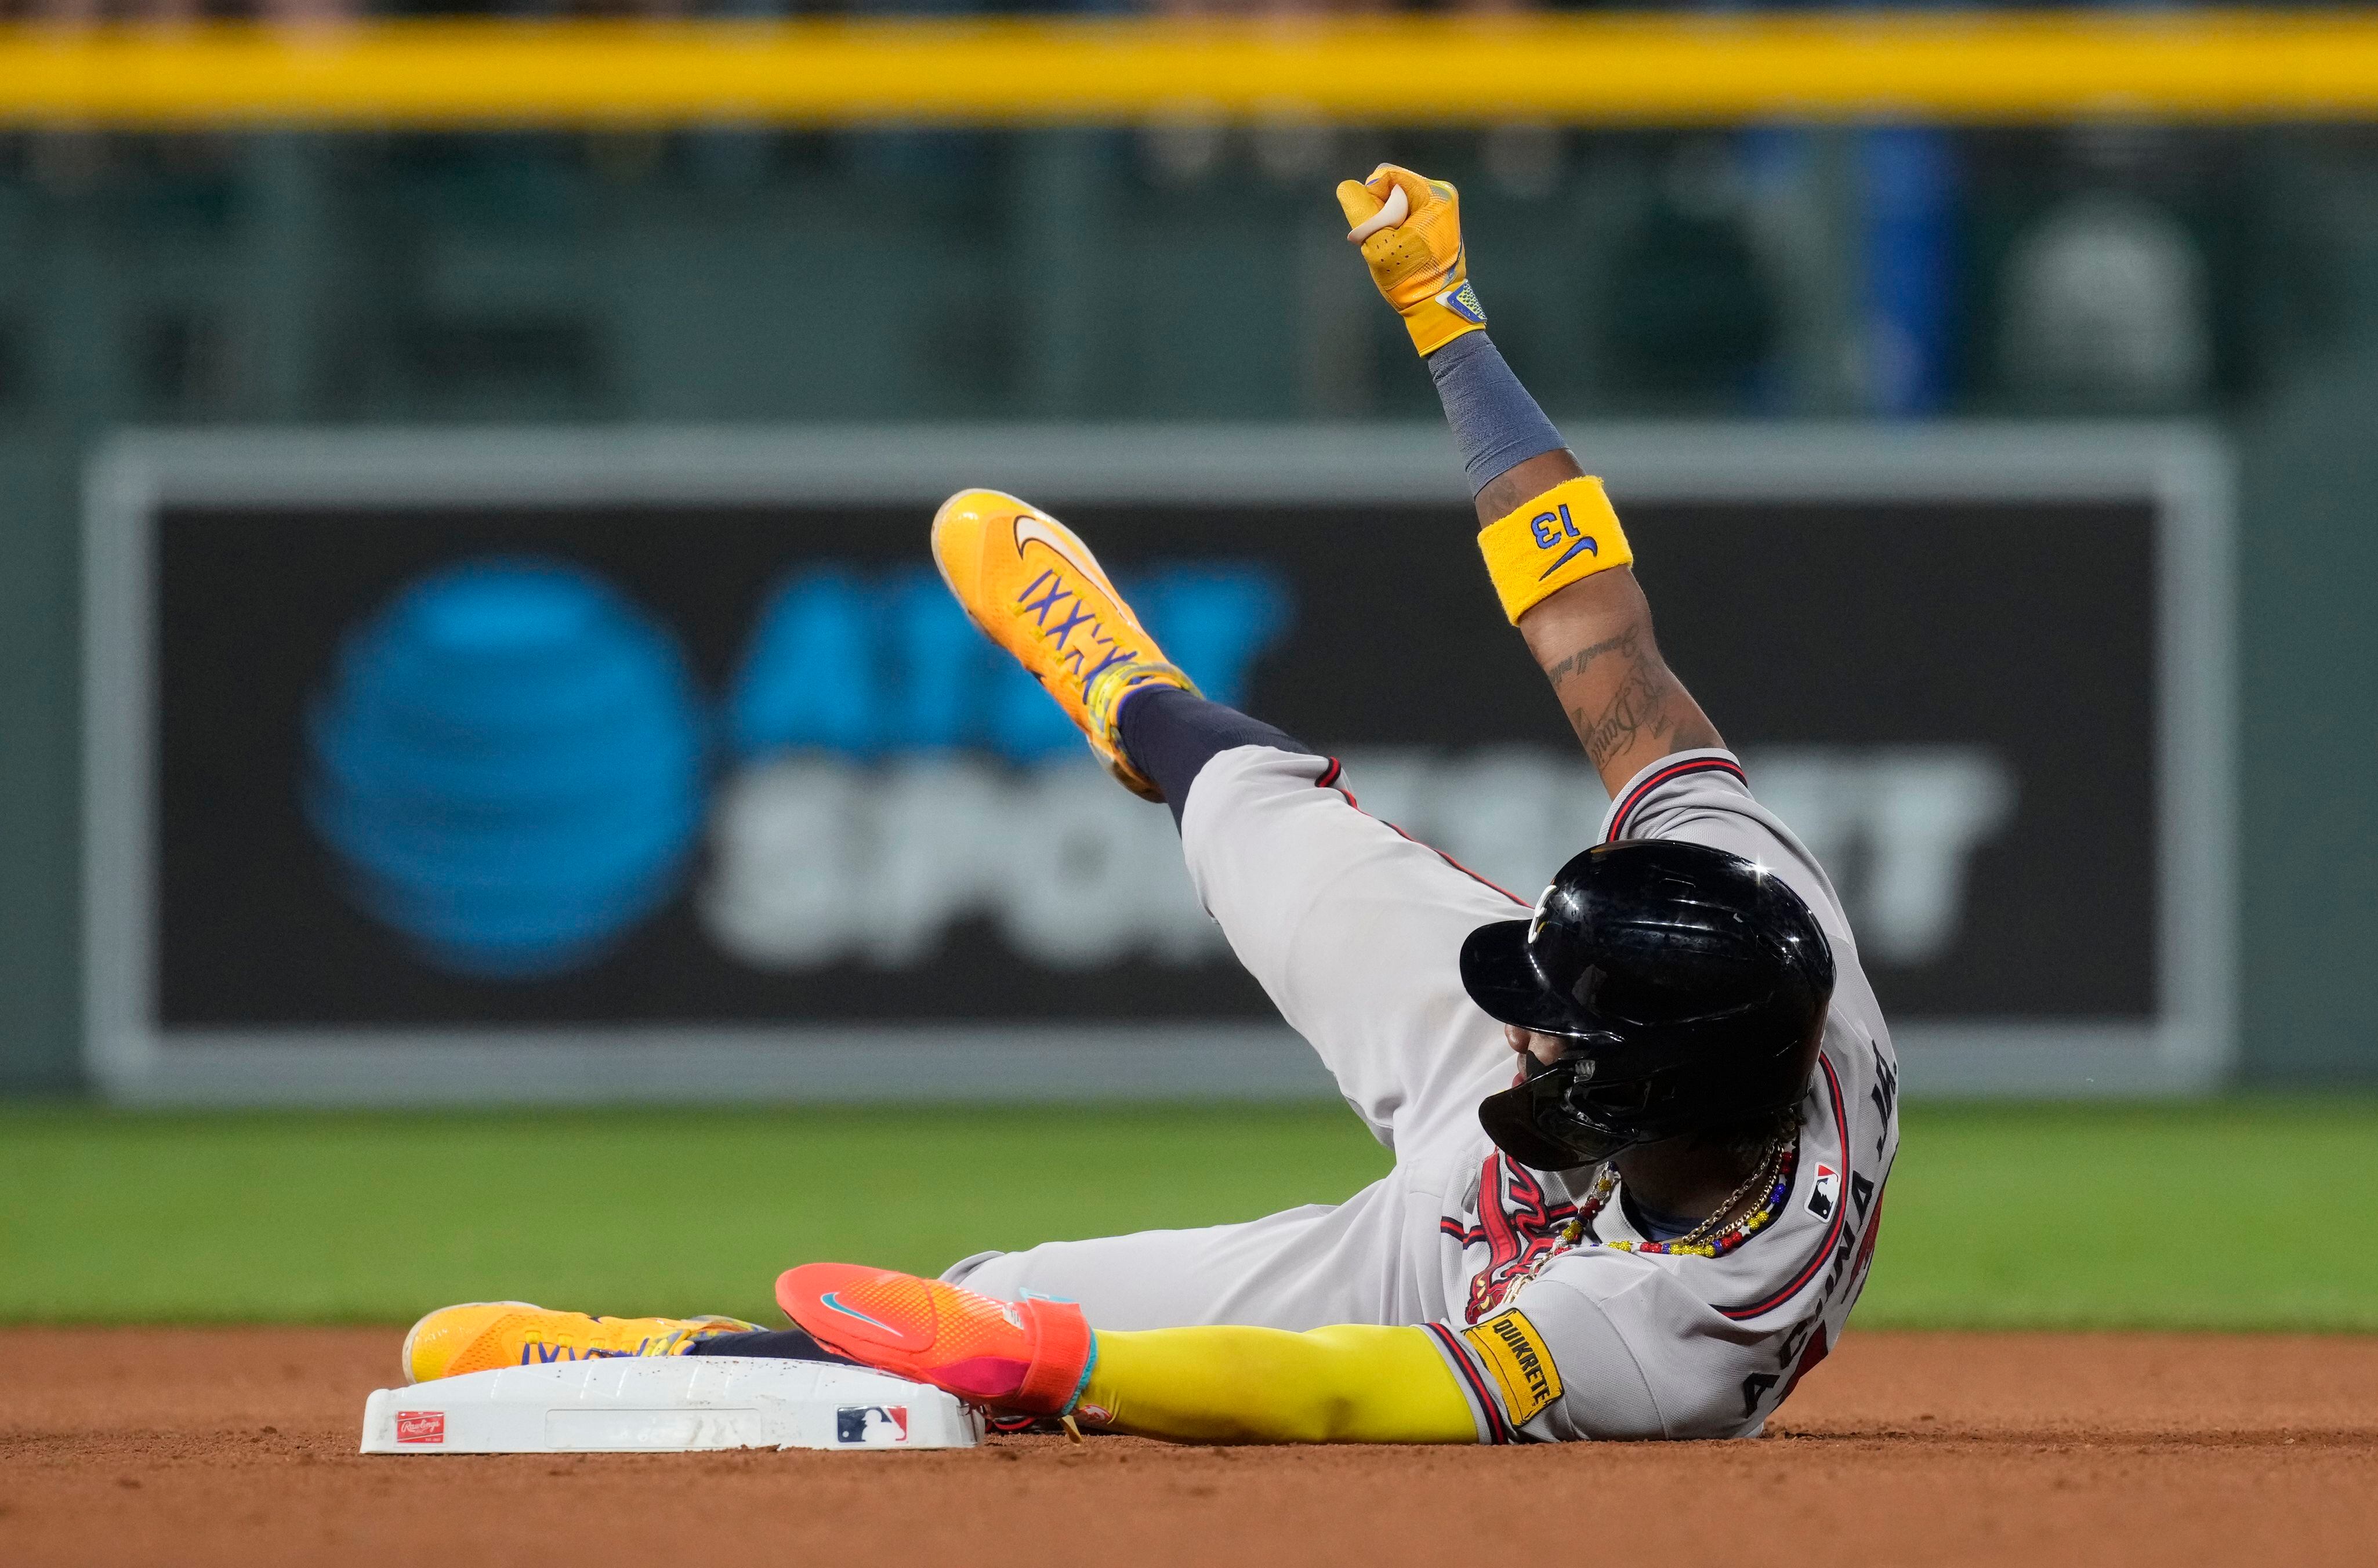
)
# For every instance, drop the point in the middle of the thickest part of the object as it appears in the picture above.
(1567, 533)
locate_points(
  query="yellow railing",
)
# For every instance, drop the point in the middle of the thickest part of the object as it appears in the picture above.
(1667, 69)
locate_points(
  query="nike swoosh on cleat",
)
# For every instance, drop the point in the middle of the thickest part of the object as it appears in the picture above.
(1585, 544)
(832, 1302)
(1030, 528)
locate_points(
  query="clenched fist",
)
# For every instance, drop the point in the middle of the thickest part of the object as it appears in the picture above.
(1416, 259)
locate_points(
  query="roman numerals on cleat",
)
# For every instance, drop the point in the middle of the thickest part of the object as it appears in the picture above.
(1042, 597)
(1120, 656)
(1065, 628)
(537, 1354)
(1039, 609)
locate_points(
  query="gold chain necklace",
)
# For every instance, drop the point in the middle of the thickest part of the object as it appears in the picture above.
(1706, 1239)
(1768, 1165)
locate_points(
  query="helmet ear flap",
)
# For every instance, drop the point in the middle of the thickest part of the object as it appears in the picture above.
(1538, 1121)
(1633, 1098)
(1509, 1118)
(1692, 984)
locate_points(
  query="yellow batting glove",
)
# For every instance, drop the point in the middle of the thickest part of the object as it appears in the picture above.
(1417, 260)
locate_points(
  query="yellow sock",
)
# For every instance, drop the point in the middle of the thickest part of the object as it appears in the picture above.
(1348, 1383)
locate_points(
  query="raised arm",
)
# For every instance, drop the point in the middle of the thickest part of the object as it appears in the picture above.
(1585, 618)
(1594, 641)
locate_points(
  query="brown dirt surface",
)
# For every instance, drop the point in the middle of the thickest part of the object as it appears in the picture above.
(236, 1446)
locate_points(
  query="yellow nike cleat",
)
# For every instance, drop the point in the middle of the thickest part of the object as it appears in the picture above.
(1034, 588)
(479, 1336)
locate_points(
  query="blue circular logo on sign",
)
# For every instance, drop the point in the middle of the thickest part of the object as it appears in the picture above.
(509, 764)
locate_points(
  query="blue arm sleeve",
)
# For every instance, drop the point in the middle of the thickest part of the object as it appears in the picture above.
(1496, 423)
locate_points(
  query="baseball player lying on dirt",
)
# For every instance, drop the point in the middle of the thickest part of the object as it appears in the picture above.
(1653, 1228)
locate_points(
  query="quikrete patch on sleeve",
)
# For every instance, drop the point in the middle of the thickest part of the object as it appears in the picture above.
(1567, 533)
(1513, 1351)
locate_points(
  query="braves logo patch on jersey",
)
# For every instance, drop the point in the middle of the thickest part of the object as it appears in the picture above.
(1522, 1226)
(1825, 1192)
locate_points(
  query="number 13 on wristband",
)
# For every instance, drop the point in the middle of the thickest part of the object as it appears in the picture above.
(1536, 550)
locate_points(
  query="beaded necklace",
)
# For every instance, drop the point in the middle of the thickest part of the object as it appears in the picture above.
(1774, 1172)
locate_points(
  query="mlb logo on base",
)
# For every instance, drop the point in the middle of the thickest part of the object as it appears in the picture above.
(421, 1426)
(872, 1425)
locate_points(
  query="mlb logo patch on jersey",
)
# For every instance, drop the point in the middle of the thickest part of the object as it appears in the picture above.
(1825, 1192)
(872, 1425)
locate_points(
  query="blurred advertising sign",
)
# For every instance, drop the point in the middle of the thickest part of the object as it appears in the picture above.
(575, 766)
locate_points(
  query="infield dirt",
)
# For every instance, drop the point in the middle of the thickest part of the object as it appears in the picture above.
(236, 1446)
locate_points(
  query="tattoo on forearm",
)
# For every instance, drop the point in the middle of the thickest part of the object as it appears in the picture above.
(1561, 669)
(1642, 707)
(1637, 704)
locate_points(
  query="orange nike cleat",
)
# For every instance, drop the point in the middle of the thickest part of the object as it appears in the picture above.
(480, 1336)
(1031, 585)
(1029, 1357)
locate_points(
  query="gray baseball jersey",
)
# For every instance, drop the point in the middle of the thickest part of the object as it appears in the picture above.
(1555, 1327)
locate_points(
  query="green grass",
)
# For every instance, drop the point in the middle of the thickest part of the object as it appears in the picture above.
(2239, 1215)
(2233, 1214)
(343, 1217)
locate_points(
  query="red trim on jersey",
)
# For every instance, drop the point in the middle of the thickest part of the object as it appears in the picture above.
(1817, 1351)
(1816, 1263)
(1458, 865)
(1329, 780)
(1498, 1427)
(1673, 771)
(1873, 1228)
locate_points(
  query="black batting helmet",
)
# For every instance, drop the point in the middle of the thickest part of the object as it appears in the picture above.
(1692, 984)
